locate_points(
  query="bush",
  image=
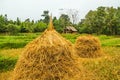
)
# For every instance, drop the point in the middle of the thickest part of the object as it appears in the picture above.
(40, 27)
(12, 29)
(2, 28)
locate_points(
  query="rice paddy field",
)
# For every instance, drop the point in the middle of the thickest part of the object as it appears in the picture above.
(106, 67)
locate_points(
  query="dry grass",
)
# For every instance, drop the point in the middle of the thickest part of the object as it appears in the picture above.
(88, 47)
(49, 57)
(11, 52)
(6, 75)
(104, 68)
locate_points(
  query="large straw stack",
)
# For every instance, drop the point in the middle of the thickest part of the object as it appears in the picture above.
(49, 57)
(88, 47)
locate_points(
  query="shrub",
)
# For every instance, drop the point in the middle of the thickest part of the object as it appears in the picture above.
(40, 27)
(12, 29)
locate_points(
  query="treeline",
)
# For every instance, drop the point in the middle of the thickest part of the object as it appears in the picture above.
(18, 26)
(104, 20)
(27, 26)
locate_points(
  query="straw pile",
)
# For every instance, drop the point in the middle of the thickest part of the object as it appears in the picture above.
(88, 47)
(48, 57)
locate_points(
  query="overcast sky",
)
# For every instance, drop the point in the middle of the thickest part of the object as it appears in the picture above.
(33, 8)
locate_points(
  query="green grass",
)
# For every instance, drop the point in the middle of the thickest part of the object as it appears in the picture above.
(109, 40)
(7, 63)
(18, 41)
(21, 39)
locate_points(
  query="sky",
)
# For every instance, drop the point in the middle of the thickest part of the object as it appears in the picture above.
(33, 9)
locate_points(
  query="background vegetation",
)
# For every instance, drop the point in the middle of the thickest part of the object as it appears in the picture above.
(103, 20)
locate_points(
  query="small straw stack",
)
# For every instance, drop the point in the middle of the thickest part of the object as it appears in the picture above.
(88, 47)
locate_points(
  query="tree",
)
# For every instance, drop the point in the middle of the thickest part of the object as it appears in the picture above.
(99, 20)
(18, 22)
(2, 24)
(73, 15)
(40, 26)
(27, 25)
(12, 29)
(89, 22)
(57, 25)
(6, 19)
(2, 28)
(64, 20)
(46, 17)
(23, 28)
(118, 21)
(111, 20)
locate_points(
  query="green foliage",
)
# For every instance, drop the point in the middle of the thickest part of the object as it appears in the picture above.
(12, 29)
(18, 22)
(2, 24)
(46, 17)
(104, 20)
(64, 20)
(57, 26)
(40, 26)
(28, 25)
(2, 28)
(23, 29)
(61, 23)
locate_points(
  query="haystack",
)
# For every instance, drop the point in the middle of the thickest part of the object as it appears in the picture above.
(88, 47)
(48, 57)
